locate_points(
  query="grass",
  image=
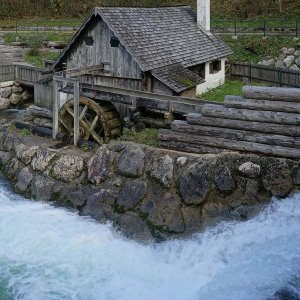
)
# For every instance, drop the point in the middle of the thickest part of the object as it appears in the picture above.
(38, 59)
(254, 48)
(149, 137)
(44, 36)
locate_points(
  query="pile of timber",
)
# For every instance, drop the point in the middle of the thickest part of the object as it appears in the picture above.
(265, 121)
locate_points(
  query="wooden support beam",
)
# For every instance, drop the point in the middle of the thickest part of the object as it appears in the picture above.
(76, 112)
(227, 144)
(56, 101)
(269, 105)
(237, 135)
(220, 111)
(271, 93)
(84, 71)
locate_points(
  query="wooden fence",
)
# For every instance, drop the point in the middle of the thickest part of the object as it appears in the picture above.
(265, 74)
(7, 73)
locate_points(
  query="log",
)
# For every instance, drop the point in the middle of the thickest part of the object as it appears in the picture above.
(169, 135)
(287, 130)
(37, 111)
(189, 147)
(271, 93)
(238, 135)
(241, 103)
(156, 123)
(220, 111)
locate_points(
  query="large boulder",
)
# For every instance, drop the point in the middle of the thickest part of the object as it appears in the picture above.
(5, 157)
(24, 179)
(279, 64)
(6, 84)
(4, 103)
(278, 179)
(163, 209)
(6, 92)
(132, 193)
(131, 162)
(268, 62)
(26, 153)
(15, 98)
(42, 188)
(297, 61)
(194, 183)
(99, 165)
(10, 142)
(289, 61)
(68, 168)
(162, 170)
(294, 67)
(42, 159)
(224, 180)
(17, 89)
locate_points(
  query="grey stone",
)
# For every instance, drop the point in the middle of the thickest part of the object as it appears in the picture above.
(99, 205)
(4, 103)
(269, 62)
(278, 179)
(132, 226)
(42, 188)
(4, 157)
(24, 179)
(26, 95)
(282, 56)
(250, 169)
(42, 159)
(17, 89)
(26, 153)
(289, 61)
(163, 209)
(15, 98)
(132, 193)
(68, 168)
(296, 175)
(131, 162)
(6, 84)
(297, 61)
(181, 161)
(162, 170)
(288, 51)
(43, 122)
(194, 183)
(297, 53)
(10, 142)
(12, 167)
(99, 165)
(6, 92)
(224, 180)
(294, 67)
(279, 64)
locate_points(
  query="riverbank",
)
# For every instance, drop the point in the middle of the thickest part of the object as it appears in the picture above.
(149, 194)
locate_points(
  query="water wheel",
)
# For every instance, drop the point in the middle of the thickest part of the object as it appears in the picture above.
(97, 121)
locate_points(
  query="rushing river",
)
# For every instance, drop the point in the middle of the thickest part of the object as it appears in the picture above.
(49, 253)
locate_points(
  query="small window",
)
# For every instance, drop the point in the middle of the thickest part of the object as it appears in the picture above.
(114, 42)
(215, 67)
(89, 41)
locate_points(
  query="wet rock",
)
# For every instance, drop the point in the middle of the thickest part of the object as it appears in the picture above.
(99, 205)
(131, 162)
(4, 158)
(289, 61)
(296, 175)
(67, 193)
(26, 153)
(99, 165)
(6, 92)
(68, 168)
(162, 170)
(42, 159)
(163, 209)
(42, 188)
(12, 167)
(250, 169)
(181, 161)
(278, 179)
(192, 219)
(24, 179)
(4, 103)
(43, 122)
(132, 226)
(194, 183)
(132, 193)
(15, 98)
(224, 180)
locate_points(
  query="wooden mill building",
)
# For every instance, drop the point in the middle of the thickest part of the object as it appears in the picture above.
(160, 50)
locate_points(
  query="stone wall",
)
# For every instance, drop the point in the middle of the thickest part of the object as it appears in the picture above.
(12, 94)
(150, 194)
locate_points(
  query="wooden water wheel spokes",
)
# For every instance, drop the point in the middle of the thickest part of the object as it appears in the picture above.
(97, 121)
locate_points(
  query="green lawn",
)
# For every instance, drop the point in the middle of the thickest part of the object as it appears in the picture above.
(37, 59)
(149, 137)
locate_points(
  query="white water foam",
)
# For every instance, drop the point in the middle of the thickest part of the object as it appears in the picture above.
(49, 253)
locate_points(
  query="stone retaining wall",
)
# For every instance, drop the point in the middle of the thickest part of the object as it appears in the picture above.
(148, 193)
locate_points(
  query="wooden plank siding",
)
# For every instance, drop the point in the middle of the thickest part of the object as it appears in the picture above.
(43, 95)
(7, 73)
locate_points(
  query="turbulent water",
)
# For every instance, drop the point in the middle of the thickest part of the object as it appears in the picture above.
(49, 253)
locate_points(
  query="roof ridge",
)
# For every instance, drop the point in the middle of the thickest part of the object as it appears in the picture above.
(138, 7)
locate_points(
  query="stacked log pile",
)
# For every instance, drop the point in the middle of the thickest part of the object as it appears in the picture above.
(265, 121)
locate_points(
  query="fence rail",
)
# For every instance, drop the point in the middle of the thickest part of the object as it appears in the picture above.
(276, 76)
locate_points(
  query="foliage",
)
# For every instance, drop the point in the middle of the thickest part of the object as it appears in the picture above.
(37, 59)
(86, 147)
(25, 132)
(149, 137)
(255, 48)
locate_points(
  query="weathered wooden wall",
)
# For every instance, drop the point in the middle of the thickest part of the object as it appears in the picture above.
(43, 95)
(7, 72)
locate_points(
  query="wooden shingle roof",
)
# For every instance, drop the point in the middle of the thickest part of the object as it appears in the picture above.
(158, 37)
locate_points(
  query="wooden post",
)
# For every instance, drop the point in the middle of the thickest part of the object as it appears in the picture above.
(56, 100)
(76, 112)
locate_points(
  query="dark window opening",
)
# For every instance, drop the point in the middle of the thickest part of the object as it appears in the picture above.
(202, 71)
(89, 41)
(215, 67)
(114, 42)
